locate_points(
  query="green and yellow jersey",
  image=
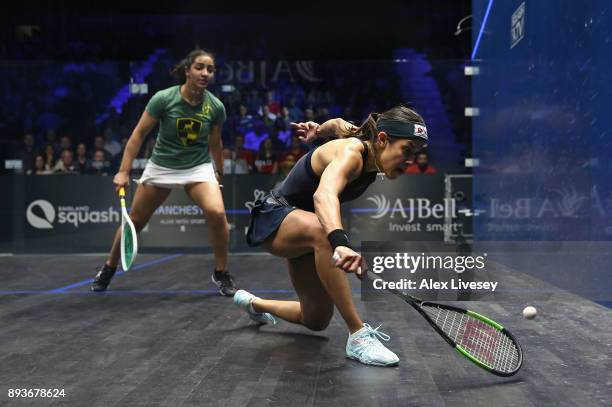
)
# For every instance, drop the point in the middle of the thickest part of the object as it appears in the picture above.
(182, 140)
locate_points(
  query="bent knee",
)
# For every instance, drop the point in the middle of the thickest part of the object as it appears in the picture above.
(316, 325)
(320, 321)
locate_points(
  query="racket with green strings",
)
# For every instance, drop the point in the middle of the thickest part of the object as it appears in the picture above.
(480, 339)
(129, 241)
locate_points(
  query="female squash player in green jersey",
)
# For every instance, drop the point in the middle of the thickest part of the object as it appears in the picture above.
(190, 119)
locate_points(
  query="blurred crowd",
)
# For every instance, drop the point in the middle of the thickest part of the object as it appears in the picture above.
(65, 138)
(261, 144)
(57, 128)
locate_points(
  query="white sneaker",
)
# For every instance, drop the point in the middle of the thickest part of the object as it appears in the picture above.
(365, 347)
(243, 299)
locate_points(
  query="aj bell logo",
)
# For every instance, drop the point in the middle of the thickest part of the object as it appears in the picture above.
(41, 214)
(257, 194)
(48, 214)
(263, 71)
(559, 203)
(421, 208)
(570, 202)
(382, 206)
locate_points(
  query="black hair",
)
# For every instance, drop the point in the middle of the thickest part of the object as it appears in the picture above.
(179, 69)
(368, 129)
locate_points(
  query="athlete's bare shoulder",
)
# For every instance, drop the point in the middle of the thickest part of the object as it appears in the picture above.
(339, 149)
(342, 144)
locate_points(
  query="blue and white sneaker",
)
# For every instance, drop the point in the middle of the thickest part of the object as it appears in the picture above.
(365, 347)
(243, 299)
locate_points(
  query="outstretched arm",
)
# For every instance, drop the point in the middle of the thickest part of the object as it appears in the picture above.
(334, 128)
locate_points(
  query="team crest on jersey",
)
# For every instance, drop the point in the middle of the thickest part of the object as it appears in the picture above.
(205, 112)
(188, 130)
(206, 109)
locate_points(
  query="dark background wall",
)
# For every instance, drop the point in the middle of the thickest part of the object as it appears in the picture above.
(329, 30)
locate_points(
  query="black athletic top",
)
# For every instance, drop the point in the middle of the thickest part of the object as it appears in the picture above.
(301, 183)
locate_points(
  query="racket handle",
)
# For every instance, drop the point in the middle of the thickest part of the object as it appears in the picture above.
(122, 192)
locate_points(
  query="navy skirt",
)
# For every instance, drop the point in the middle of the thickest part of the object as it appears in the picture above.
(266, 216)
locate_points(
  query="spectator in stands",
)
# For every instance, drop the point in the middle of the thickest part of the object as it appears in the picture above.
(273, 105)
(99, 145)
(254, 138)
(99, 165)
(282, 132)
(49, 157)
(308, 115)
(234, 165)
(111, 145)
(322, 115)
(286, 164)
(228, 162)
(51, 138)
(297, 149)
(65, 143)
(295, 113)
(311, 97)
(65, 165)
(267, 158)
(38, 167)
(267, 117)
(243, 122)
(285, 117)
(239, 152)
(82, 162)
(278, 146)
(421, 165)
(253, 101)
(27, 152)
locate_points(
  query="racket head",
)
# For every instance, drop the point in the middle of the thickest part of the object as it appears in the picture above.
(129, 242)
(476, 337)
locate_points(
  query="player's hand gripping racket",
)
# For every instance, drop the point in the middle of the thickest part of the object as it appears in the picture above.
(129, 242)
(480, 339)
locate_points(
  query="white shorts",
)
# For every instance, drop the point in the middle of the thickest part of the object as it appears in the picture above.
(172, 178)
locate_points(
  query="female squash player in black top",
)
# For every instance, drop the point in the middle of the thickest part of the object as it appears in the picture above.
(300, 221)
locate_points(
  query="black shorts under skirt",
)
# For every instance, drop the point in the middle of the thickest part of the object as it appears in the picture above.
(266, 216)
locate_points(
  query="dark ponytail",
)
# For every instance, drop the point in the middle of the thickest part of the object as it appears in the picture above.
(179, 69)
(368, 129)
